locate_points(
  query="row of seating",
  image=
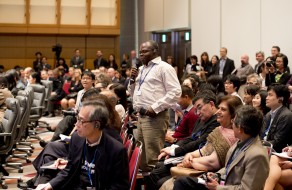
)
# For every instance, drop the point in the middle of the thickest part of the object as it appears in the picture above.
(20, 120)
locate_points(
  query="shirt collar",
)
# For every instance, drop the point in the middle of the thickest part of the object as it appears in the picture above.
(189, 108)
(96, 143)
(275, 111)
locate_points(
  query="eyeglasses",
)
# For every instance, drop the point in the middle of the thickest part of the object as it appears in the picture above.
(251, 83)
(82, 121)
(199, 108)
(145, 51)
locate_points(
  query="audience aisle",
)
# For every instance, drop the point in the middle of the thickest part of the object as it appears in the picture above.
(28, 169)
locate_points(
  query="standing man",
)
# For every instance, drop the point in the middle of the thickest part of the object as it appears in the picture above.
(260, 57)
(245, 69)
(100, 61)
(226, 65)
(77, 60)
(274, 52)
(134, 61)
(155, 89)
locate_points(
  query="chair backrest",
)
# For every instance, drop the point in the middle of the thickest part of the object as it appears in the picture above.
(48, 88)
(125, 120)
(24, 114)
(39, 94)
(124, 135)
(135, 163)
(28, 92)
(10, 122)
(66, 87)
(129, 145)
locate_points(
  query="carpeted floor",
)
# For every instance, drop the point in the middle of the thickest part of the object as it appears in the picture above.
(28, 169)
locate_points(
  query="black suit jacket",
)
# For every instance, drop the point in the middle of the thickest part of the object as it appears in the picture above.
(203, 129)
(111, 166)
(103, 63)
(281, 128)
(228, 68)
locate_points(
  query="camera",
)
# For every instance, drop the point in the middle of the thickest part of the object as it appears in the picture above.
(270, 63)
(57, 49)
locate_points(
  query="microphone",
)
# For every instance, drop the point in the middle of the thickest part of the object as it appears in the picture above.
(133, 77)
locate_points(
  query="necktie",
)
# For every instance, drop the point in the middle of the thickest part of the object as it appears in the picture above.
(180, 119)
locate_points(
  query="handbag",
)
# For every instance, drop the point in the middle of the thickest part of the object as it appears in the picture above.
(180, 171)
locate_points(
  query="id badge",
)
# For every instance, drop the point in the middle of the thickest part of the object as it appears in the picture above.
(139, 93)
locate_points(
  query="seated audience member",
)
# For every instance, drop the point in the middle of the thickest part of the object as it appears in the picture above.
(192, 83)
(34, 78)
(280, 172)
(277, 73)
(121, 92)
(254, 79)
(68, 77)
(185, 124)
(75, 86)
(102, 81)
(259, 102)
(206, 109)
(211, 157)
(67, 123)
(120, 78)
(277, 123)
(4, 94)
(246, 165)
(59, 149)
(62, 65)
(57, 92)
(217, 82)
(95, 159)
(27, 72)
(232, 84)
(249, 93)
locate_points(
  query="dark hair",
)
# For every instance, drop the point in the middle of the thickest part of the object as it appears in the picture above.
(233, 103)
(281, 91)
(194, 57)
(11, 78)
(38, 53)
(206, 86)
(263, 106)
(204, 63)
(88, 73)
(284, 58)
(217, 82)
(206, 95)
(3, 81)
(64, 61)
(194, 84)
(121, 92)
(277, 47)
(90, 93)
(234, 80)
(36, 76)
(185, 90)
(252, 89)
(249, 119)
(154, 45)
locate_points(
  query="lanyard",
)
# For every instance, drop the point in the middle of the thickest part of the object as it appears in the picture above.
(236, 153)
(87, 168)
(142, 81)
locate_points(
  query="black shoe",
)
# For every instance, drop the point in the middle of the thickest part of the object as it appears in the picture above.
(28, 184)
(43, 143)
(49, 129)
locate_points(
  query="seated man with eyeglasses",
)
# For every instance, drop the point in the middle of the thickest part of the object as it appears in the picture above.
(206, 109)
(95, 160)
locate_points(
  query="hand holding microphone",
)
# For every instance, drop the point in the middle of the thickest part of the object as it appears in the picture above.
(134, 73)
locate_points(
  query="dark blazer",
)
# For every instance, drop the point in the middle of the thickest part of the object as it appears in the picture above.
(103, 63)
(280, 131)
(248, 170)
(271, 78)
(111, 167)
(202, 129)
(228, 68)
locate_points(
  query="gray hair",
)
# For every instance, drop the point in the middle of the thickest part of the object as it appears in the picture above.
(98, 113)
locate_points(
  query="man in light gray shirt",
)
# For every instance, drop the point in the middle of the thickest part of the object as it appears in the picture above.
(155, 89)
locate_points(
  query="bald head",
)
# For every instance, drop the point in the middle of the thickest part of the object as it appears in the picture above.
(244, 59)
(111, 72)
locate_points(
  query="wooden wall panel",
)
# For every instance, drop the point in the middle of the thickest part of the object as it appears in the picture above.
(20, 50)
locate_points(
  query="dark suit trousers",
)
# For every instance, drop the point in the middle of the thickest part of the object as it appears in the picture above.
(158, 176)
(65, 126)
(188, 183)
